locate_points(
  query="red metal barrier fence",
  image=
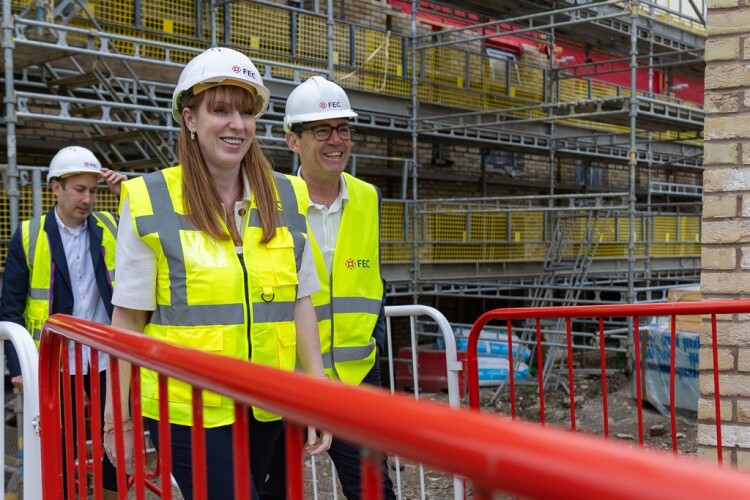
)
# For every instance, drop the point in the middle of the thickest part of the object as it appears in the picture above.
(493, 453)
(600, 313)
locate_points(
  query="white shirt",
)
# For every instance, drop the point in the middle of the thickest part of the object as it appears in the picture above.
(140, 262)
(87, 301)
(325, 221)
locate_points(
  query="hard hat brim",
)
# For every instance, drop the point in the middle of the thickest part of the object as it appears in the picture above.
(71, 173)
(314, 117)
(262, 95)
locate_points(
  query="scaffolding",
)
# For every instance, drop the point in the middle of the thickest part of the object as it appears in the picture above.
(106, 69)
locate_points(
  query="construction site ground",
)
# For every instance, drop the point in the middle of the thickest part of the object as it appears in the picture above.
(623, 427)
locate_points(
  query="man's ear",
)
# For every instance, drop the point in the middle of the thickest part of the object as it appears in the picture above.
(56, 187)
(292, 140)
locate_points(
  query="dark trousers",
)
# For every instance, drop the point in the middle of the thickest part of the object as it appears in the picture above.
(346, 458)
(109, 474)
(219, 456)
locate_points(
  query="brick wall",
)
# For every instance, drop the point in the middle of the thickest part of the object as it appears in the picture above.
(726, 228)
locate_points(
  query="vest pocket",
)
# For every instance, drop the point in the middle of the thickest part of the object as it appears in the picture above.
(283, 265)
(208, 339)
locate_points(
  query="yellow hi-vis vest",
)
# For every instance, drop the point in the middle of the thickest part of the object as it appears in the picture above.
(349, 302)
(39, 262)
(203, 300)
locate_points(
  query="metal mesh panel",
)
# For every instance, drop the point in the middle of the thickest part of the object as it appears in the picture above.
(379, 55)
(531, 83)
(260, 27)
(171, 22)
(395, 243)
(171, 18)
(527, 233)
(114, 12)
(117, 17)
(311, 36)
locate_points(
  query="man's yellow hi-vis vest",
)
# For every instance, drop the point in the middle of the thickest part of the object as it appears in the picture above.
(39, 261)
(202, 298)
(349, 302)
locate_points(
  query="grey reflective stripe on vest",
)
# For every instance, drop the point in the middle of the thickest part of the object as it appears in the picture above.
(356, 305)
(347, 305)
(323, 312)
(296, 221)
(199, 315)
(108, 223)
(169, 238)
(37, 335)
(39, 293)
(181, 314)
(273, 312)
(348, 354)
(34, 225)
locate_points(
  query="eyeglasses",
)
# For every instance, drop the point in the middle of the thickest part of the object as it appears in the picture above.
(323, 132)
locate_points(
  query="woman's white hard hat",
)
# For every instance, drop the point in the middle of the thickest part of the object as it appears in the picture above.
(219, 66)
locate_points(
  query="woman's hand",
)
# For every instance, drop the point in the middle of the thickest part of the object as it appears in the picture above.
(110, 431)
(317, 444)
(113, 179)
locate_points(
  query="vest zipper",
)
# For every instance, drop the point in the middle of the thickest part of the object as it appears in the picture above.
(247, 304)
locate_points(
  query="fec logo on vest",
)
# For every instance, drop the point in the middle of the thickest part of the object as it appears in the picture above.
(359, 263)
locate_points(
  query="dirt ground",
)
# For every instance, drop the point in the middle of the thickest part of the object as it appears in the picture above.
(622, 426)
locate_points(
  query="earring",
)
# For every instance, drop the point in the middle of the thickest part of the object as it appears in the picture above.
(192, 136)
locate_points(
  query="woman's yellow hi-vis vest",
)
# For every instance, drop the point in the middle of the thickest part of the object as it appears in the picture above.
(349, 302)
(202, 299)
(39, 261)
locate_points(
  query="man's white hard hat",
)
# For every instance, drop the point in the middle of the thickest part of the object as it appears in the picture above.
(316, 99)
(73, 160)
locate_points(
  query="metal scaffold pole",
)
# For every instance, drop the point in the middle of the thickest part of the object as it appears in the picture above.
(553, 93)
(414, 156)
(10, 115)
(329, 38)
(632, 161)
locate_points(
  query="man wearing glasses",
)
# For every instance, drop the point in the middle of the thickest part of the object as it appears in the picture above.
(344, 217)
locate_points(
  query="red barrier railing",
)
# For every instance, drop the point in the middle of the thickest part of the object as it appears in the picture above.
(494, 453)
(599, 313)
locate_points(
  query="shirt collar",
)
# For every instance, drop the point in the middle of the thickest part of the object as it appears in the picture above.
(340, 200)
(73, 231)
